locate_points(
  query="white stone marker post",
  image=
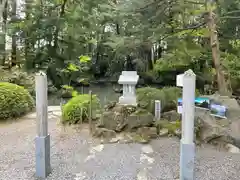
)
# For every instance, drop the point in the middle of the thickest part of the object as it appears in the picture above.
(129, 80)
(157, 109)
(187, 154)
(42, 141)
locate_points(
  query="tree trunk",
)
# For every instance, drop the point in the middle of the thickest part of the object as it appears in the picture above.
(29, 64)
(14, 37)
(56, 34)
(159, 51)
(118, 23)
(149, 59)
(222, 85)
(3, 12)
(2, 5)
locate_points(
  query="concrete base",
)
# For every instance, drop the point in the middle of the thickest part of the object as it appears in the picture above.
(43, 167)
(128, 100)
(187, 161)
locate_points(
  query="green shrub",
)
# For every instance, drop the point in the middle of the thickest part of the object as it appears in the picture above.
(168, 96)
(77, 108)
(20, 78)
(14, 101)
(68, 92)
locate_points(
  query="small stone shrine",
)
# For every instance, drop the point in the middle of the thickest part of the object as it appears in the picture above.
(129, 80)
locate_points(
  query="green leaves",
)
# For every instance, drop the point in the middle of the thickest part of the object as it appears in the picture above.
(74, 93)
(67, 87)
(93, 41)
(200, 32)
(15, 101)
(72, 67)
(77, 108)
(84, 59)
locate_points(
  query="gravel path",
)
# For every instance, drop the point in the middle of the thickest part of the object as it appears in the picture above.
(75, 156)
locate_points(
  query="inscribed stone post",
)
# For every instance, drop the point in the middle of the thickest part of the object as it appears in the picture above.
(157, 109)
(42, 141)
(187, 154)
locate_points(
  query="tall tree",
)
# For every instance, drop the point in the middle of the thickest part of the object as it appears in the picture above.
(212, 24)
(3, 19)
(14, 36)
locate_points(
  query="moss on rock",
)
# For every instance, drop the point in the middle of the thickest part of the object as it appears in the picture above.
(119, 117)
(15, 101)
(172, 127)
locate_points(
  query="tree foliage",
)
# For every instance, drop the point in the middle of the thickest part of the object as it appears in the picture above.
(158, 38)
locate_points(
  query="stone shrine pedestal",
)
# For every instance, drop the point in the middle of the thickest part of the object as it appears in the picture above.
(129, 81)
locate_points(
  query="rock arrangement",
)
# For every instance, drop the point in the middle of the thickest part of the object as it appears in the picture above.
(216, 130)
(134, 124)
(130, 124)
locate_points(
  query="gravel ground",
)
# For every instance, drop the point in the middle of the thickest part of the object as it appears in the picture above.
(75, 156)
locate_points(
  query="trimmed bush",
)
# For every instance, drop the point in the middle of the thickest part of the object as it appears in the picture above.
(20, 78)
(77, 108)
(15, 101)
(168, 96)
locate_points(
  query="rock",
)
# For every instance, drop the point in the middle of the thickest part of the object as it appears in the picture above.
(51, 88)
(127, 138)
(163, 132)
(122, 117)
(124, 109)
(104, 133)
(233, 149)
(178, 133)
(118, 138)
(170, 126)
(230, 103)
(114, 140)
(171, 116)
(139, 119)
(139, 139)
(207, 125)
(110, 105)
(118, 90)
(234, 131)
(110, 120)
(212, 129)
(150, 132)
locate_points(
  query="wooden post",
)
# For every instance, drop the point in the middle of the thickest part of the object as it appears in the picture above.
(187, 154)
(81, 118)
(82, 89)
(90, 111)
(42, 141)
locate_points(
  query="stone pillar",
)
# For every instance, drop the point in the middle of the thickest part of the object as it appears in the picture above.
(157, 109)
(129, 80)
(42, 141)
(187, 154)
